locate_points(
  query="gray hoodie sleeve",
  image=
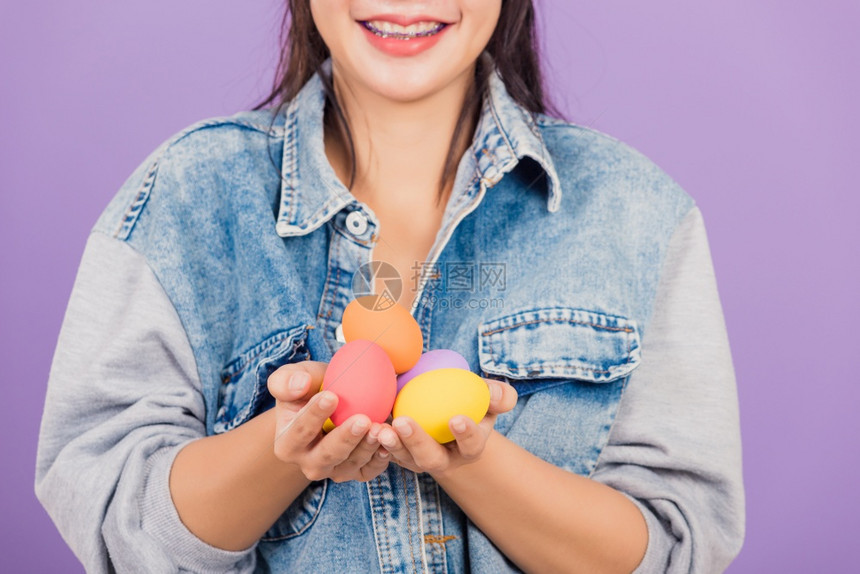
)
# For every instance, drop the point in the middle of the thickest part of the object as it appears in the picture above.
(675, 446)
(123, 397)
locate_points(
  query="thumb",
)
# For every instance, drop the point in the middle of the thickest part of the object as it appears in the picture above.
(297, 381)
(503, 397)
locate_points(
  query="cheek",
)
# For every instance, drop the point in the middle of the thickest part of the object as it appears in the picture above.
(330, 18)
(484, 15)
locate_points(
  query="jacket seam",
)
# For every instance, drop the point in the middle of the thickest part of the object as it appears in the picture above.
(129, 219)
(501, 128)
(551, 320)
(167, 297)
(642, 333)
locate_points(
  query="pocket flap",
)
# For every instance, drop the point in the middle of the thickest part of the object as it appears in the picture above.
(559, 343)
(244, 392)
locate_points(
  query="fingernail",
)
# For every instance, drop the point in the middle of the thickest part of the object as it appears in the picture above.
(495, 392)
(372, 437)
(458, 424)
(359, 426)
(403, 427)
(383, 454)
(388, 438)
(326, 400)
(298, 380)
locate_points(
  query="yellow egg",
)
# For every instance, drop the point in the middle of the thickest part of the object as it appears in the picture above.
(432, 398)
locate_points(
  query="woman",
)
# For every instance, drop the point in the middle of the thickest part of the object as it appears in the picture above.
(569, 270)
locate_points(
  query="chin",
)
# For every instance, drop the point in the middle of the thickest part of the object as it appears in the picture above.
(406, 94)
(412, 87)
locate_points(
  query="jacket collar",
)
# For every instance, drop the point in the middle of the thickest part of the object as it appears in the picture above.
(311, 193)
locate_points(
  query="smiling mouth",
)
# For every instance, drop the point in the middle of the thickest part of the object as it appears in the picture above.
(385, 29)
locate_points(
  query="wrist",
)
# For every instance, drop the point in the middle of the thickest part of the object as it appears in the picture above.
(280, 469)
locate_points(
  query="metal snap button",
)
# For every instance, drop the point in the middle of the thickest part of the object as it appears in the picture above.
(356, 222)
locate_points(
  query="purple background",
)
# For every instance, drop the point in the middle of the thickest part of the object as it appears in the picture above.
(750, 106)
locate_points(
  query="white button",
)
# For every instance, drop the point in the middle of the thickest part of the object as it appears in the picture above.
(356, 222)
(338, 334)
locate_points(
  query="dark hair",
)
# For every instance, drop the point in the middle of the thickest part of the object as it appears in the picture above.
(512, 49)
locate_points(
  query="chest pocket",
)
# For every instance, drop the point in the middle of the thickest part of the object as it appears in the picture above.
(244, 394)
(569, 367)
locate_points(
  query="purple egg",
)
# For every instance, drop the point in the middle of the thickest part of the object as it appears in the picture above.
(430, 361)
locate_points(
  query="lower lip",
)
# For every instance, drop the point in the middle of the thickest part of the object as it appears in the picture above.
(401, 48)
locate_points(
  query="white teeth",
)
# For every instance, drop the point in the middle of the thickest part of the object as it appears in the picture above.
(387, 29)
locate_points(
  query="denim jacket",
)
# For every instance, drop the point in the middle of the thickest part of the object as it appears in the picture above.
(544, 273)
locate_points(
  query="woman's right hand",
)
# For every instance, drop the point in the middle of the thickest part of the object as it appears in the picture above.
(349, 452)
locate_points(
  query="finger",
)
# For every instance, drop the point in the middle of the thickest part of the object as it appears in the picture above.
(469, 436)
(364, 449)
(423, 449)
(390, 441)
(335, 448)
(503, 397)
(367, 461)
(296, 381)
(376, 466)
(299, 431)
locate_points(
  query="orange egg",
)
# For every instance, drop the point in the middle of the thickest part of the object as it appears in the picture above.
(387, 324)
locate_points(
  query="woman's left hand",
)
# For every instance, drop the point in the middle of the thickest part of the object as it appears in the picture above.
(414, 449)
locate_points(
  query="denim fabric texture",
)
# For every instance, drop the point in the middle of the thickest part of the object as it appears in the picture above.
(543, 274)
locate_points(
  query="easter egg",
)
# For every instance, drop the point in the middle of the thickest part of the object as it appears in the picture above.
(436, 359)
(432, 398)
(361, 376)
(387, 324)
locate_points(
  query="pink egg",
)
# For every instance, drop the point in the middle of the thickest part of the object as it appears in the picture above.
(362, 376)
(432, 360)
